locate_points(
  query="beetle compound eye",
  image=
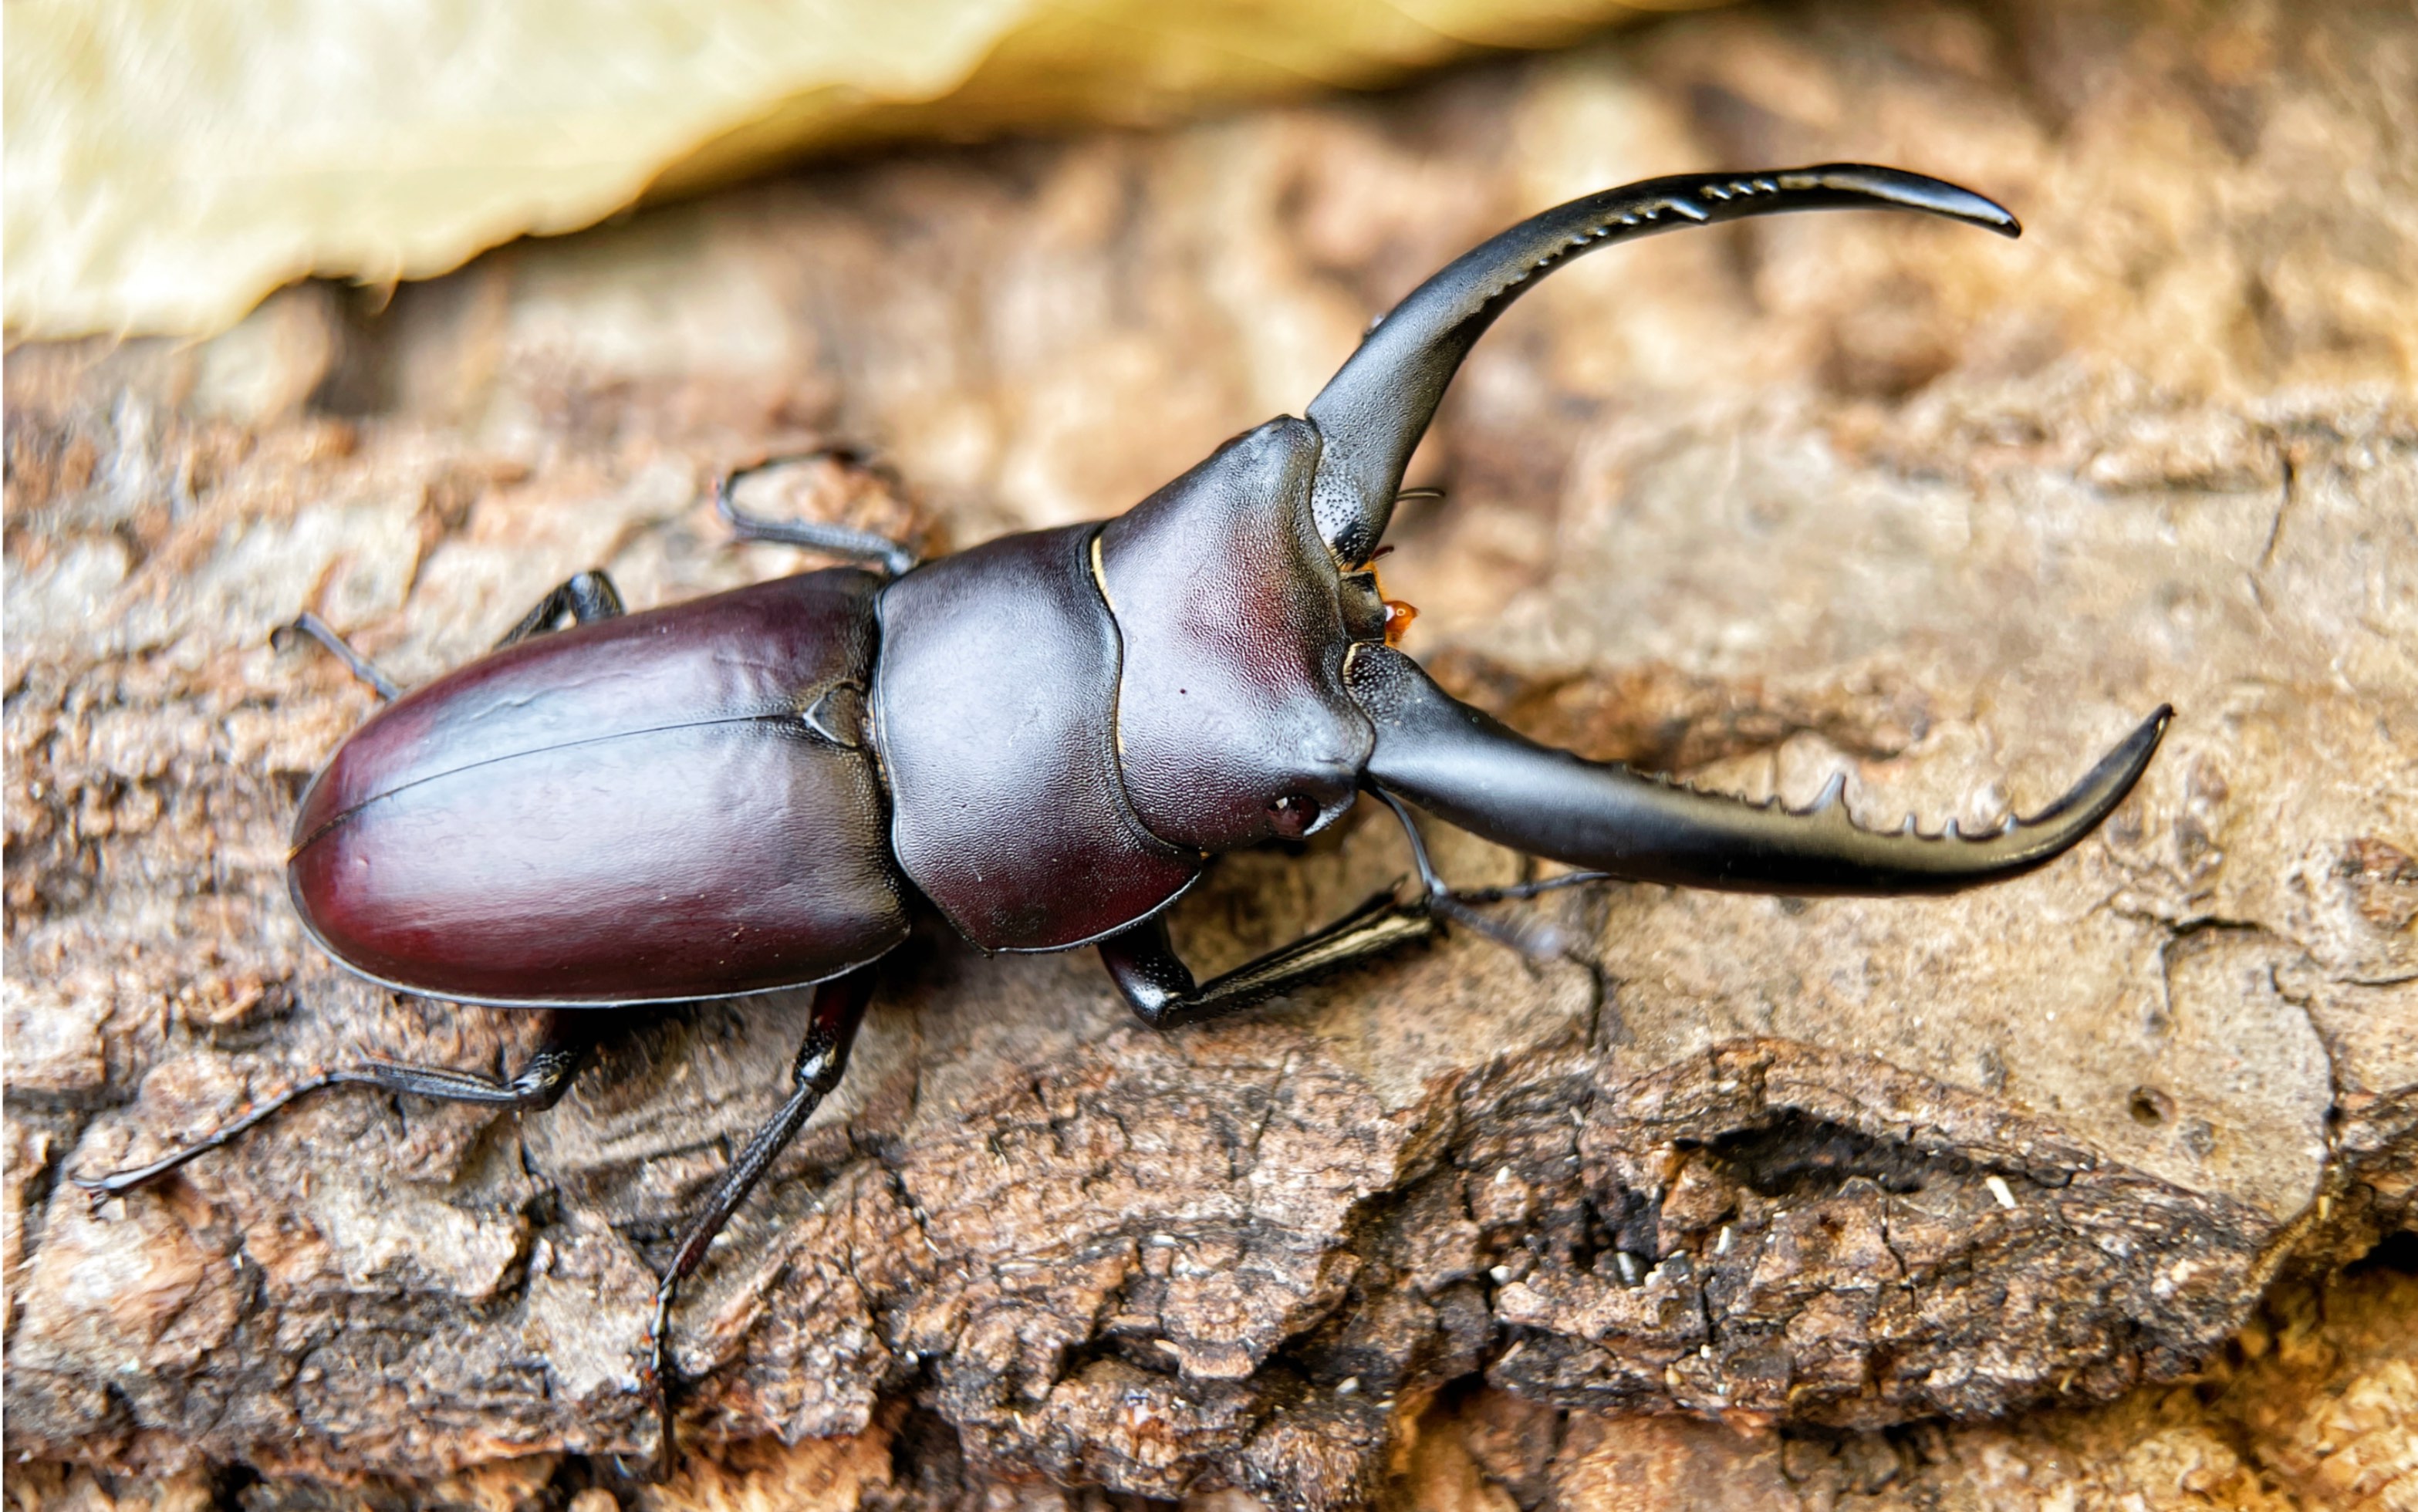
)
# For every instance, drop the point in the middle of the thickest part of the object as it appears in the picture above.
(1293, 815)
(1362, 605)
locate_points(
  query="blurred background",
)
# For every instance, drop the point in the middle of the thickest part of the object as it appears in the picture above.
(403, 313)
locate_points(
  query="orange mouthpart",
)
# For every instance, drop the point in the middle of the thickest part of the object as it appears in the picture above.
(1398, 614)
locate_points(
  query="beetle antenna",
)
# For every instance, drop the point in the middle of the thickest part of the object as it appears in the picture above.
(1373, 411)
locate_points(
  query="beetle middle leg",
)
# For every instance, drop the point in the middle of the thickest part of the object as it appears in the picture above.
(570, 1036)
(895, 558)
(586, 597)
(840, 1007)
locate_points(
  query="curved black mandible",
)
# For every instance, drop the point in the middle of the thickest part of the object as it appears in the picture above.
(1470, 770)
(1378, 405)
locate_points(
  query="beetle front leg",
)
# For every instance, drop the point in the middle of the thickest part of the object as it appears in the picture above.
(539, 1083)
(1155, 980)
(840, 1007)
(1142, 962)
(586, 597)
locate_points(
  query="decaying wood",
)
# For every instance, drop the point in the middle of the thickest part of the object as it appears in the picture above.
(1800, 1200)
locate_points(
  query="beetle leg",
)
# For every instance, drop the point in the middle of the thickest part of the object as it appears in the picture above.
(1142, 962)
(840, 1007)
(1451, 903)
(539, 1083)
(307, 623)
(815, 535)
(586, 597)
(1155, 980)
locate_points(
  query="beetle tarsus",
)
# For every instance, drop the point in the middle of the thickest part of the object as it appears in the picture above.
(657, 1392)
(307, 623)
(815, 535)
(1533, 942)
(586, 597)
(1444, 901)
(539, 1084)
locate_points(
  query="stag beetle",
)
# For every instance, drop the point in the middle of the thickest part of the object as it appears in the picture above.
(1047, 736)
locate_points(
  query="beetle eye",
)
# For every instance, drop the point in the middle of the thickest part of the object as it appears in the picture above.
(1293, 815)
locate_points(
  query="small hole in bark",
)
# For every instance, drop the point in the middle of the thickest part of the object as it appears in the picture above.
(2395, 1252)
(227, 1494)
(1795, 1153)
(2150, 1107)
(928, 1456)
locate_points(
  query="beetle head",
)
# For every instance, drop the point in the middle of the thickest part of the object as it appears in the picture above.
(1232, 722)
(1455, 762)
(1240, 588)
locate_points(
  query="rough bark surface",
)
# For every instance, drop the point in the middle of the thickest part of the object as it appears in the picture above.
(1766, 1203)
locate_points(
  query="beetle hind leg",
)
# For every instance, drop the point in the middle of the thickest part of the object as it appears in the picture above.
(307, 623)
(539, 1083)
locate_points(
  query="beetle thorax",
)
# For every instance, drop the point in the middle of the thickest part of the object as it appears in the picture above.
(1071, 722)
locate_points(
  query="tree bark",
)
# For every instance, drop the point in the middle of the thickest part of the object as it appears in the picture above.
(1751, 1198)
